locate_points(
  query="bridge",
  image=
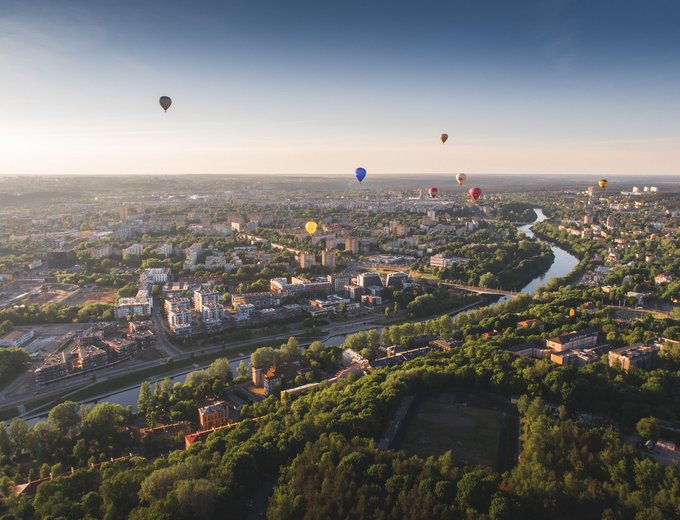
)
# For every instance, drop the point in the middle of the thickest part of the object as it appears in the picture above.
(479, 290)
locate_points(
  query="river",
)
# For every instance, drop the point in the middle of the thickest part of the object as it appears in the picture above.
(561, 266)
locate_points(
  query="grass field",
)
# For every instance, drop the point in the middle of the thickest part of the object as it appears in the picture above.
(437, 425)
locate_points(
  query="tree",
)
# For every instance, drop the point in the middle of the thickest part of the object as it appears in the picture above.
(146, 399)
(291, 349)
(65, 418)
(242, 369)
(649, 428)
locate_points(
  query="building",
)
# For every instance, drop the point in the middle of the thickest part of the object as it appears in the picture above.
(582, 339)
(102, 251)
(178, 315)
(368, 279)
(354, 291)
(328, 258)
(371, 299)
(132, 306)
(213, 415)
(442, 261)
(154, 275)
(352, 245)
(338, 281)
(261, 300)
(306, 259)
(532, 323)
(244, 312)
(398, 279)
(16, 338)
(54, 367)
(638, 355)
(204, 297)
(61, 259)
(165, 250)
(299, 285)
(134, 250)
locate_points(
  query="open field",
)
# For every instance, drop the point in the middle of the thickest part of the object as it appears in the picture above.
(476, 429)
(87, 296)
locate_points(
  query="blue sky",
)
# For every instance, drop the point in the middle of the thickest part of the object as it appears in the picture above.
(322, 87)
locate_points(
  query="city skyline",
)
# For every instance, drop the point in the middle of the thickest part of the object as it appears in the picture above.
(533, 87)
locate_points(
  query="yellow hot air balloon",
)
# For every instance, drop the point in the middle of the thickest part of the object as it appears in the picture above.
(602, 183)
(311, 227)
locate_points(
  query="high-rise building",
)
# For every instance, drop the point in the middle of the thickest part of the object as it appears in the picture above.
(368, 279)
(306, 259)
(328, 258)
(352, 245)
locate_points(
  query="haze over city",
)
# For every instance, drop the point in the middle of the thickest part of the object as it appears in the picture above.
(321, 87)
(348, 260)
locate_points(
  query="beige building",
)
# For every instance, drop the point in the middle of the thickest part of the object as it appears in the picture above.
(638, 355)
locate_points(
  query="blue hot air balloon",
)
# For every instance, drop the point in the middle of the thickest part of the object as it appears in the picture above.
(361, 173)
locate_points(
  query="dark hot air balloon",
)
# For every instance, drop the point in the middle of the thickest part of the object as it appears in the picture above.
(475, 193)
(165, 102)
(433, 192)
(360, 173)
(443, 138)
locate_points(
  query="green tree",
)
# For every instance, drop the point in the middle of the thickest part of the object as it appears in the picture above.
(648, 428)
(65, 418)
(242, 369)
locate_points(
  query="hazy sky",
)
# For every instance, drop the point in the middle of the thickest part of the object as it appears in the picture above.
(325, 86)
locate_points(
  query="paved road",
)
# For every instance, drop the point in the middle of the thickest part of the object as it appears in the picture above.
(163, 342)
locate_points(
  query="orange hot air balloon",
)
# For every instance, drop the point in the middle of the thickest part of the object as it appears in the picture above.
(603, 183)
(461, 178)
(165, 102)
(475, 193)
(311, 227)
(433, 191)
(443, 138)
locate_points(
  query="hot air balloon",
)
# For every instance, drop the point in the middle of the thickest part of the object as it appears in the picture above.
(165, 102)
(461, 178)
(475, 193)
(443, 138)
(311, 227)
(360, 173)
(602, 183)
(433, 191)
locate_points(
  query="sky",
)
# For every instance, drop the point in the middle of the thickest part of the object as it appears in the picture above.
(321, 86)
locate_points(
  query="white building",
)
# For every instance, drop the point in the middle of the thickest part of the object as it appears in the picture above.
(16, 338)
(443, 261)
(130, 306)
(244, 312)
(102, 251)
(154, 275)
(134, 250)
(165, 250)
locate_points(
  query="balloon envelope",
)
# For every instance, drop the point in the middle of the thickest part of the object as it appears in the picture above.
(461, 178)
(443, 138)
(602, 183)
(165, 102)
(433, 191)
(475, 193)
(311, 227)
(360, 173)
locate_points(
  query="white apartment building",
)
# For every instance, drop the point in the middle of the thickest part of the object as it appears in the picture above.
(134, 249)
(130, 306)
(165, 250)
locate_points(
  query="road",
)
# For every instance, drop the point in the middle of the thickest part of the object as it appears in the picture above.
(9, 397)
(163, 342)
